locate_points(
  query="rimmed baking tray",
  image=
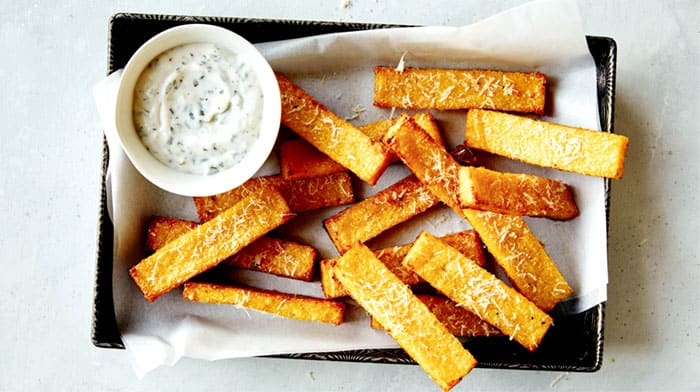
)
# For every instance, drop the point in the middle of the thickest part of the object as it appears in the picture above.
(574, 343)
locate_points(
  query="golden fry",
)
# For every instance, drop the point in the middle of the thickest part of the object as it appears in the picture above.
(278, 257)
(518, 194)
(522, 257)
(545, 144)
(428, 160)
(374, 215)
(447, 89)
(405, 317)
(330, 134)
(294, 306)
(266, 254)
(210, 243)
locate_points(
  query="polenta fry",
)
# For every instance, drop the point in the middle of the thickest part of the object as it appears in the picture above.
(210, 243)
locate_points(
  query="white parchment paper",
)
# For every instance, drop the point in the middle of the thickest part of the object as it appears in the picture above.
(542, 36)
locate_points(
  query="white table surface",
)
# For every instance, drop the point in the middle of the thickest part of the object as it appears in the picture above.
(51, 146)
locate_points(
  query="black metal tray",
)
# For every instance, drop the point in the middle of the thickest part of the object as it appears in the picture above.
(574, 343)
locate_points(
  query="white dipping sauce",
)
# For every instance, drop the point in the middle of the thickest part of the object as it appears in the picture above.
(197, 108)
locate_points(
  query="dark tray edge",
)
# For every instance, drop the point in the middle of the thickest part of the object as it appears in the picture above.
(105, 331)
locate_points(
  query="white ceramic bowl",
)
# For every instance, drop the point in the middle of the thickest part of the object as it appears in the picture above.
(171, 179)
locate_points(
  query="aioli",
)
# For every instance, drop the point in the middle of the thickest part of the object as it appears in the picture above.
(197, 108)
